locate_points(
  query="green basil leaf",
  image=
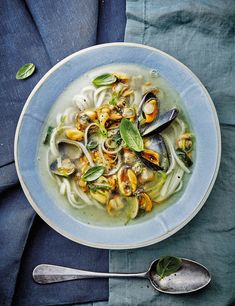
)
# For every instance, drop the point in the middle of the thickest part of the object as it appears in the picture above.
(131, 135)
(167, 265)
(25, 71)
(184, 157)
(48, 135)
(104, 79)
(92, 144)
(93, 173)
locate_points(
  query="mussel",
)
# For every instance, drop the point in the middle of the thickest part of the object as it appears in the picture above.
(127, 181)
(155, 155)
(161, 123)
(148, 109)
(149, 121)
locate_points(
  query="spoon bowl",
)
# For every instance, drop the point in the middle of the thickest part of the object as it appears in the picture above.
(191, 276)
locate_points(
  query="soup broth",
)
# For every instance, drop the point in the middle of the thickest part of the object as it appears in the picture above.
(116, 147)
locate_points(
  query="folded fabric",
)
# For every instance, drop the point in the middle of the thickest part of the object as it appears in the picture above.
(43, 32)
(201, 34)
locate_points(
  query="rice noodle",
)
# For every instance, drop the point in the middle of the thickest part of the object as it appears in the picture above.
(108, 151)
(100, 94)
(115, 169)
(175, 156)
(85, 197)
(179, 187)
(86, 133)
(171, 155)
(71, 197)
(181, 124)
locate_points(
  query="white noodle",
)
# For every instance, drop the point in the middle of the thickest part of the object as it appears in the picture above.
(70, 195)
(101, 94)
(86, 133)
(110, 152)
(115, 170)
(179, 187)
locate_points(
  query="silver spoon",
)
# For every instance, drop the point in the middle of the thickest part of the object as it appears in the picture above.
(191, 277)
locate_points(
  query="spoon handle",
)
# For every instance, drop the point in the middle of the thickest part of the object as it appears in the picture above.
(45, 274)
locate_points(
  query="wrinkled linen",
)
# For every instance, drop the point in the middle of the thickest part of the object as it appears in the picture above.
(43, 32)
(201, 34)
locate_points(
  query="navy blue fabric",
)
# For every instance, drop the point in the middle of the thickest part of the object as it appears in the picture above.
(43, 32)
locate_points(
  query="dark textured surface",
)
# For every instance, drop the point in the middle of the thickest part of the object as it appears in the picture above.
(43, 32)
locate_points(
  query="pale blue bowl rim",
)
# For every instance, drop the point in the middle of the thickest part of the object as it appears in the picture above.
(129, 234)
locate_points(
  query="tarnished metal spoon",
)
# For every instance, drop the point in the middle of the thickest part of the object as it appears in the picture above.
(191, 277)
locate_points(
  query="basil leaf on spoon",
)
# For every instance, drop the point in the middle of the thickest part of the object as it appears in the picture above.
(168, 265)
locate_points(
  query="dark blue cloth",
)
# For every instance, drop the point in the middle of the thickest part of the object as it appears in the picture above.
(43, 32)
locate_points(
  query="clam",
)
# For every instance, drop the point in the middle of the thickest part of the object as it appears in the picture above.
(69, 153)
(155, 155)
(115, 204)
(127, 181)
(62, 167)
(159, 124)
(69, 148)
(133, 207)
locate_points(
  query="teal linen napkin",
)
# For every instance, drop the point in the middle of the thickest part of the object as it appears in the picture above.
(201, 34)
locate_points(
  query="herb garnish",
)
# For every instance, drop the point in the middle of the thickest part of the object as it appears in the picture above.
(25, 71)
(104, 79)
(184, 157)
(92, 144)
(131, 135)
(167, 265)
(93, 173)
(48, 135)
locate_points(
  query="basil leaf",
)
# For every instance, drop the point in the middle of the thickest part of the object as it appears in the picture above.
(93, 173)
(48, 135)
(25, 71)
(167, 265)
(131, 135)
(184, 157)
(92, 144)
(104, 79)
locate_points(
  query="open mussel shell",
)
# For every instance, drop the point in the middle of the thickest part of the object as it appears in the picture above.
(149, 95)
(161, 123)
(155, 155)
